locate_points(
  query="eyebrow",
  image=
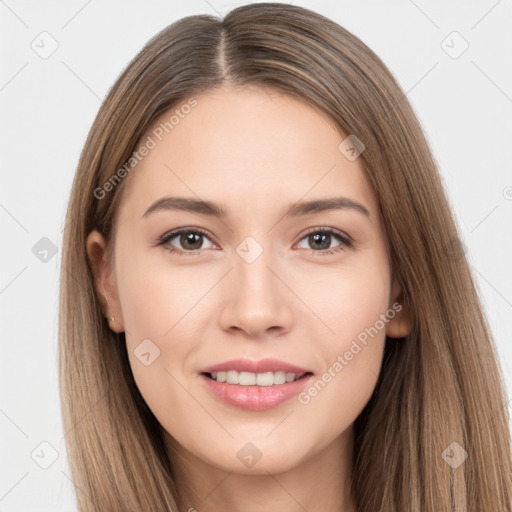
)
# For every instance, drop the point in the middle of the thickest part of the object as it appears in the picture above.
(216, 210)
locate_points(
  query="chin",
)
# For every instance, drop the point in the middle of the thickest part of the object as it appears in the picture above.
(257, 457)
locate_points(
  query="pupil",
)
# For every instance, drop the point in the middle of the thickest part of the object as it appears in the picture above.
(188, 239)
(322, 238)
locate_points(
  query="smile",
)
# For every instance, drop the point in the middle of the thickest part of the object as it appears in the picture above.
(254, 379)
(256, 397)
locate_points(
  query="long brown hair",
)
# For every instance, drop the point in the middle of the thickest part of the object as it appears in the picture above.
(435, 434)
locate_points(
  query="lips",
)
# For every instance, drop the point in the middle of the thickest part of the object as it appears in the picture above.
(256, 397)
(261, 366)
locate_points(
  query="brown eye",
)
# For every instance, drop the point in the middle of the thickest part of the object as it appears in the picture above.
(185, 240)
(191, 241)
(320, 241)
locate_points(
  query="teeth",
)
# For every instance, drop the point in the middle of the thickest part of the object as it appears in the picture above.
(251, 379)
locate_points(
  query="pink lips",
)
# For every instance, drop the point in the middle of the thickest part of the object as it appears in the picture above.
(261, 366)
(256, 398)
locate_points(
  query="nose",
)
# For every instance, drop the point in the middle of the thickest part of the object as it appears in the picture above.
(257, 301)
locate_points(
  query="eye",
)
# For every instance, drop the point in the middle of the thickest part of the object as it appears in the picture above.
(190, 239)
(321, 238)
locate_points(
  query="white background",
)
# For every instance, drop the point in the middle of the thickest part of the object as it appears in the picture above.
(48, 105)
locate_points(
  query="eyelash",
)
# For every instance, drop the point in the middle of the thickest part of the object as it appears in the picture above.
(345, 242)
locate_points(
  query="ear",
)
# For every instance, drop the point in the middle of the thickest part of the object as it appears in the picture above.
(104, 280)
(401, 324)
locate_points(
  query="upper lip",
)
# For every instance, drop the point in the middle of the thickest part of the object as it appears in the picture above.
(261, 366)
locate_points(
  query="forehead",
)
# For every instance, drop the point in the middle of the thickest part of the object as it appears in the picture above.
(249, 147)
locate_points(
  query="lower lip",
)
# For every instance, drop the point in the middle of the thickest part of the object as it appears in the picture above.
(256, 398)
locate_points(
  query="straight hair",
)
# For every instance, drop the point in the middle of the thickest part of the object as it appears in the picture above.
(440, 394)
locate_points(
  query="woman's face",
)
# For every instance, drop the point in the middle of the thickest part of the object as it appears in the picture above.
(273, 277)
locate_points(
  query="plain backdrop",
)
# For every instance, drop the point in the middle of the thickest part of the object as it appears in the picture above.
(452, 59)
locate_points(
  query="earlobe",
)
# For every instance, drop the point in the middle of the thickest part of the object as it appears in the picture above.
(400, 325)
(104, 280)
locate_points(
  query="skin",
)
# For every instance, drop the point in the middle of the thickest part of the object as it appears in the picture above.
(256, 152)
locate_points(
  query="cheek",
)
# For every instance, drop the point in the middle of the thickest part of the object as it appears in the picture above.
(340, 391)
(337, 396)
(352, 303)
(155, 294)
(350, 299)
(160, 307)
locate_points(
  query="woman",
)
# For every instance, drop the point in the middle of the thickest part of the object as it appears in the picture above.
(264, 298)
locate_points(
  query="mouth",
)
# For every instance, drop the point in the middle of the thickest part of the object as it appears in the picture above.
(265, 379)
(255, 385)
